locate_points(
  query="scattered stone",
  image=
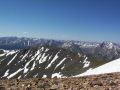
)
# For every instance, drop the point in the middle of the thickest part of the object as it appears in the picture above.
(54, 87)
(95, 82)
(2, 87)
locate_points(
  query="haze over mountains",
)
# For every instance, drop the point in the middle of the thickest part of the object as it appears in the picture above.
(107, 49)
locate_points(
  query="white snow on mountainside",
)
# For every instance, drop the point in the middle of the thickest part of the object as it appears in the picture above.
(111, 67)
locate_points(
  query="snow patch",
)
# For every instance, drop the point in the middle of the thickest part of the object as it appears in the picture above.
(44, 76)
(47, 50)
(111, 67)
(35, 75)
(6, 73)
(19, 77)
(26, 65)
(33, 66)
(60, 62)
(43, 58)
(12, 59)
(38, 52)
(13, 74)
(2, 54)
(56, 56)
(86, 63)
(63, 67)
(58, 75)
(25, 55)
(79, 55)
(38, 57)
(9, 52)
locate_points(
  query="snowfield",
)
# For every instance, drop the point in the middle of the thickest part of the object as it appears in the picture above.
(111, 67)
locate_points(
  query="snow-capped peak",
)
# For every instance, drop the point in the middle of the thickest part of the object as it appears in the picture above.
(108, 45)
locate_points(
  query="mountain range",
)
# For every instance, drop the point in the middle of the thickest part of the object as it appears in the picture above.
(106, 49)
(31, 57)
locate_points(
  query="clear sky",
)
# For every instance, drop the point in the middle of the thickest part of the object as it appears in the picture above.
(89, 20)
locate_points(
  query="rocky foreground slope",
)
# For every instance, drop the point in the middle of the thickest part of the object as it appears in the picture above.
(96, 82)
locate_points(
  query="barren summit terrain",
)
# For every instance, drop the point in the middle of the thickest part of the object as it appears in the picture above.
(95, 82)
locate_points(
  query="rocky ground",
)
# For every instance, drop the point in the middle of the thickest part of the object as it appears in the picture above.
(96, 82)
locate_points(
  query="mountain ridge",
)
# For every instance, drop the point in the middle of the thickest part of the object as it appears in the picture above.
(105, 49)
(45, 61)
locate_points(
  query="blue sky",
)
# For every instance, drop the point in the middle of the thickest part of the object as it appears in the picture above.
(86, 20)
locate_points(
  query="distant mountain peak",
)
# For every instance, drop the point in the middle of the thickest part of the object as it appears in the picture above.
(107, 49)
(108, 45)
